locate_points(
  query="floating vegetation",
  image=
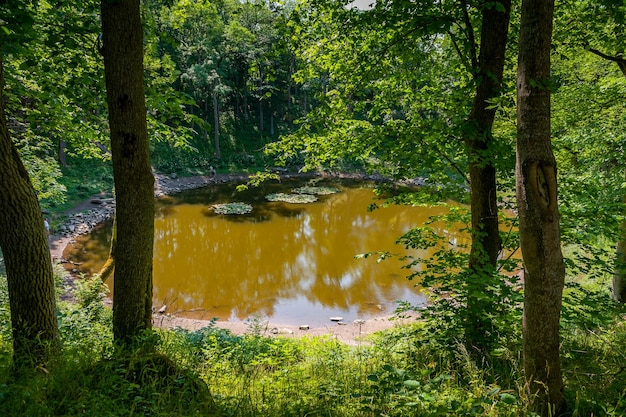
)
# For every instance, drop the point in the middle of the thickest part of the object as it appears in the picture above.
(292, 198)
(232, 208)
(316, 190)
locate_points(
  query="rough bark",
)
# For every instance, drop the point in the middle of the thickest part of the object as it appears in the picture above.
(486, 241)
(28, 263)
(134, 182)
(536, 189)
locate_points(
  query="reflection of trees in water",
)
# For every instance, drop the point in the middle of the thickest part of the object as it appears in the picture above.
(243, 267)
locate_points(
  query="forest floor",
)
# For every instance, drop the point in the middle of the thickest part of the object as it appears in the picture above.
(86, 214)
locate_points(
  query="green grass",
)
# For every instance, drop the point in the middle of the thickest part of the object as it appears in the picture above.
(82, 179)
(407, 371)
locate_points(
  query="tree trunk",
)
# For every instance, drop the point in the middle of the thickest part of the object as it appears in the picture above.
(216, 125)
(261, 116)
(305, 105)
(27, 256)
(619, 275)
(109, 266)
(486, 241)
(62, 153)
(205, 134)
(134, 183)
(536, 189)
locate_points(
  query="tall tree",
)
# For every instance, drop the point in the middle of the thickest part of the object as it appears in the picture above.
(397, 81)
(27, 256)
(486, 241)
(536, 188)
(134, 183)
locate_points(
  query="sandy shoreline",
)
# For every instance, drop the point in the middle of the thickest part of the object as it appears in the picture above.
(91, 212)
(349, 333)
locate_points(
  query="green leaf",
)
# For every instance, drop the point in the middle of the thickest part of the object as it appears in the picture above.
(411, 383)
(507, 398)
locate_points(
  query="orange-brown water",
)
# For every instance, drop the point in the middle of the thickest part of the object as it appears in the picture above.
(293, 263)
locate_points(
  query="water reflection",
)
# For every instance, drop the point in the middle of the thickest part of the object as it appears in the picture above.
(293, 263)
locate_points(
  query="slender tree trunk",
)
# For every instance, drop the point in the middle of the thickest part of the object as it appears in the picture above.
(109, 266)
(538, 210)
(206, 121)
(27, 256)
(486, 241)
(134, 183)
(261, 116)
(619, 275)
(62, 153)
(216, 125)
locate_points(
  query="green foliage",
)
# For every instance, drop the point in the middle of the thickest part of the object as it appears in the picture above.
(87, 318)
(82, 179)
(587, 121)
(393, 85)
(5, 318)
(460, 298)
(414, 369)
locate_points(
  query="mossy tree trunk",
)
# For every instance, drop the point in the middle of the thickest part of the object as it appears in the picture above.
(536, 188)
(27, 256)
(134, 182)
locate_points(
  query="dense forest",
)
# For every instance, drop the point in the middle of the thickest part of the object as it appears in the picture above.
(514, 108)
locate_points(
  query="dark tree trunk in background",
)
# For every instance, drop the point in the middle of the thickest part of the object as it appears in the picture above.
(62, 153)
(486, 241)
(134, 183)
(27, 256)
(538, 210)
(261, 116)
(619, 275)
(216, 125)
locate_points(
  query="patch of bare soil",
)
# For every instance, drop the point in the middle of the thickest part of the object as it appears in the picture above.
(354, 333)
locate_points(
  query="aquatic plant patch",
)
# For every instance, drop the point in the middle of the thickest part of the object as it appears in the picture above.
(292, 198)
(232, 208)
(316, 190)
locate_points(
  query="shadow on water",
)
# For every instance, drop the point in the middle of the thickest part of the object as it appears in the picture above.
(293, 263)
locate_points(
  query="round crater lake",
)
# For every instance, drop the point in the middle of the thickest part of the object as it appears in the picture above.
(292, 263)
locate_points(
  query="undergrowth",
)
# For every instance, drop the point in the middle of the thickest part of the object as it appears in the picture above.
(410, 370)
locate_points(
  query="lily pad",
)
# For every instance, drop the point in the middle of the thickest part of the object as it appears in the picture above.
(232, 208)
(316, 190)
(292, 198)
